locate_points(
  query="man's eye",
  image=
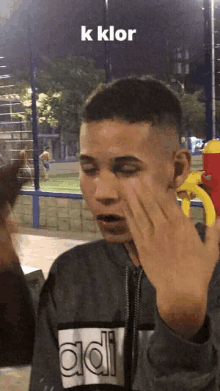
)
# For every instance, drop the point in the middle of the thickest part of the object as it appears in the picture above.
(127, 170)
(89, 169)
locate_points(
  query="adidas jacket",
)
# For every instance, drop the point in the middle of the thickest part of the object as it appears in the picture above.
(99, 329)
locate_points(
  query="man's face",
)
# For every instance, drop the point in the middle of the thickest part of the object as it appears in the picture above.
(112, 154)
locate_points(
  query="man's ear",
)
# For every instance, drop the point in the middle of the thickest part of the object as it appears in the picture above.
(182, 164)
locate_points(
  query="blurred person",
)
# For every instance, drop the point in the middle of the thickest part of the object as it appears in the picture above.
(45, 158)
(139, 309)
(25, 154)
(17, 323)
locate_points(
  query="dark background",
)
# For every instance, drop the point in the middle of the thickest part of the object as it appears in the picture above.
(162, 27)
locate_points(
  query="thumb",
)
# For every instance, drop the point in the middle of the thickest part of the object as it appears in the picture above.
(212, 240)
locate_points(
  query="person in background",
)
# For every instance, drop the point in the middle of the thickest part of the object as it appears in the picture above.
(25, 154)
(45, 158)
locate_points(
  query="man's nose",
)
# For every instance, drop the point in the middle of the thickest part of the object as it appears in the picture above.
(106, 188)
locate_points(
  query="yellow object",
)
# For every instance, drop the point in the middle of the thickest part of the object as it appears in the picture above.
(191, 186)
(213, 146)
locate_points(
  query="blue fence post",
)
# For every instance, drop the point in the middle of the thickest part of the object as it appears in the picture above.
(35, 210)
(34, 123)
(33, 73)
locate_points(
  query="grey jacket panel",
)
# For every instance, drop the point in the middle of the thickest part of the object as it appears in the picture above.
(81, 331)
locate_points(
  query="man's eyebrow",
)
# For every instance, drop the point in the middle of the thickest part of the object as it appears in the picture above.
(86, 158)
(116, 160)
(127, 158)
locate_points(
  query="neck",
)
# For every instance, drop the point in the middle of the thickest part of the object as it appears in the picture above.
(132, 252)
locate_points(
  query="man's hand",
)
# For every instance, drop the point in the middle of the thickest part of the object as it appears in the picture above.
(10, 185)
(184, 194)
(176, 261)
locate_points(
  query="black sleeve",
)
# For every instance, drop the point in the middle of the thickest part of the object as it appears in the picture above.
(176, 364)
(17, 319)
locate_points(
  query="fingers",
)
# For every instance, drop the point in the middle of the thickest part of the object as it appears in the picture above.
(135, 212)
(158, 207)
(212, 239)
(214, 232)
(184, 194)
(135, 203)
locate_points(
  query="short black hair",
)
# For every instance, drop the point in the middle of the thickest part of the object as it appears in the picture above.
(47, 148)
(133, 99)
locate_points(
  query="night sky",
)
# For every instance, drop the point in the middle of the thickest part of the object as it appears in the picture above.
(162, 26)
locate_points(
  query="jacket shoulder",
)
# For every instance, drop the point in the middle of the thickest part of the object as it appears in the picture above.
(79, 256)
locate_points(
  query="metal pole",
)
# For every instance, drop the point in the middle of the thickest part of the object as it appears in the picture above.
(33, 74)
(213, 71)
(108, 67)
(209, 47)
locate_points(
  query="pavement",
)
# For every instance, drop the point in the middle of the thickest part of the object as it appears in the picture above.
(37, 249)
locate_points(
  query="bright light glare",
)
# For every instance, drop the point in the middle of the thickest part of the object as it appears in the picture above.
(4, 7)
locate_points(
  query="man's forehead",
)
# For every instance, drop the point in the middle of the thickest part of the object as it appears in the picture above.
(113, 130)
(114, 126)
(118, 138)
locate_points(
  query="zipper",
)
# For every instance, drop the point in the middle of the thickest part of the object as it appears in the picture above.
(127, 341)
(138, 277)
(132, 305)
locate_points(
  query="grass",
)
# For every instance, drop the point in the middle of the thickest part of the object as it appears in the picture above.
(61, 183)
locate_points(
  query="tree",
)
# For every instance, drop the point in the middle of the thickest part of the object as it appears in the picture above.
(63, 85)
(193, 120)
(46, 104)
(193, 106)
(68, 82)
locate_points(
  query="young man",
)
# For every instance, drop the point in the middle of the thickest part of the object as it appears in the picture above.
(17, 321)
(134, 311)
(44, 158)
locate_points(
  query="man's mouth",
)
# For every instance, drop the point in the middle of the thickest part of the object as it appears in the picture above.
(110, 218)
(112, 223)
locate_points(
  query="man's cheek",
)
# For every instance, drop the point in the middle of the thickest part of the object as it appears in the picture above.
(164, 177)
(138, 183)
(88, 189)
(84, 185)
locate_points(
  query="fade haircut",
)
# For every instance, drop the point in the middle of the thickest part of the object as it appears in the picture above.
(134, 100)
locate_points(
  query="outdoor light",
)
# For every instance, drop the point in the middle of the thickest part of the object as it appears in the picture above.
(5, 76)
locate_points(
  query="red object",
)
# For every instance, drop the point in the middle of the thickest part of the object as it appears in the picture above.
(211, 164)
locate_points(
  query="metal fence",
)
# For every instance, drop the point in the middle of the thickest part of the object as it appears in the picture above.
(36, 194)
